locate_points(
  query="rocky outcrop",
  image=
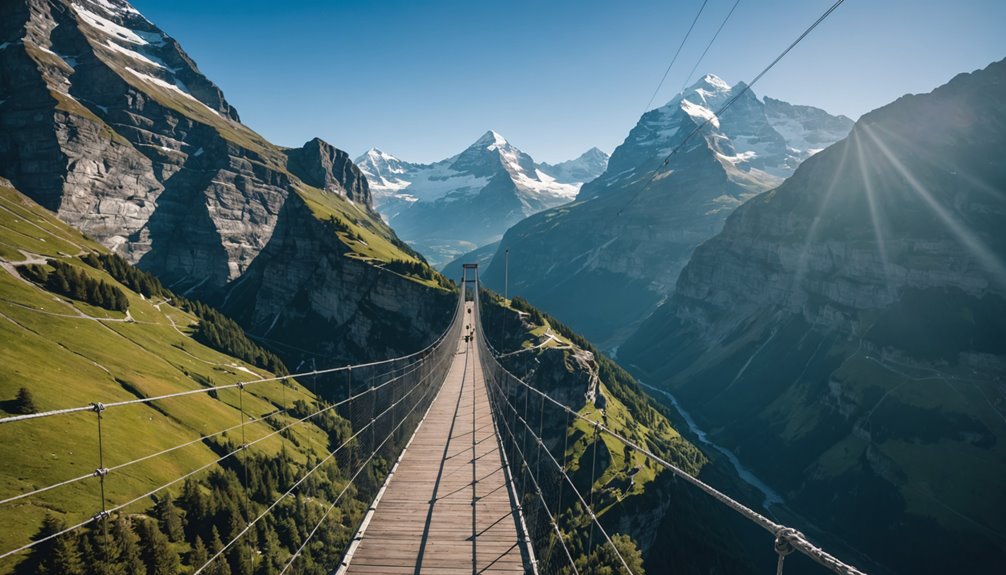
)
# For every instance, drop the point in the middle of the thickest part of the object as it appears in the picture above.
(328, 168)
(844, 335)
(603, 263)
(107, 122)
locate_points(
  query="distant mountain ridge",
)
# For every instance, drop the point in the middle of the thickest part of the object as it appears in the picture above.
(450, 207)
(633, 228)
(845, 333)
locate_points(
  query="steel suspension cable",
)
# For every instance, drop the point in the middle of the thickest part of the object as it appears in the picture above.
(304, 478)
(90, 407)
(583, 502)
(103, 471)
(676, 54)
(783, 533)
(540, 493)
(188, 474)
(351, 481)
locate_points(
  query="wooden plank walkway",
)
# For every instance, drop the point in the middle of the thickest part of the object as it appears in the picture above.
(447, 510)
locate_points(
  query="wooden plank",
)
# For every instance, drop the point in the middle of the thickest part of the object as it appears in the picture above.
(447, 509)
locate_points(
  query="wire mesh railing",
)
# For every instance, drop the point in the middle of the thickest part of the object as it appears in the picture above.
(557, 495)
(370, 412)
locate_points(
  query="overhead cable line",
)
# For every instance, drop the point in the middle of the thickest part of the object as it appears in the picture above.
(716, 115)
(708, 46)
(676, 54)
(202, 390)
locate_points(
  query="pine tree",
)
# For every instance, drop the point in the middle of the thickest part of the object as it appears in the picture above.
(220, 566)
(198, 556)
(215, 543)
(169, 518)
(51, 525)
(239, 557)
(64, 556)
(158, 554)
(106, 559)
(24, 403)
(121, 301)
(130, 556)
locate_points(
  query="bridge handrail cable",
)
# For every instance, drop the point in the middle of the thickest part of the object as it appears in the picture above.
(787, 538)
(327, 458)
(494, 368)
(418, 365)
(215, 388)
(352, 480)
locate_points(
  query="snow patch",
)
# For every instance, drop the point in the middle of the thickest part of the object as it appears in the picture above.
(135, 55)
(700, 112)
(116, 9)
(110, 28)
(716, 82)
(177, 87)
(740, 158)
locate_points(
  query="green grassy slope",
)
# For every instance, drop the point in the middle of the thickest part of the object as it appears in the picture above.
(628, 489)
(70, 354)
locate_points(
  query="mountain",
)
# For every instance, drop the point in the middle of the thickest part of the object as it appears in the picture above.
(588, 166)
(630, 231)
(468, 200)
(107, 122)
(845, 334)
(67, 352)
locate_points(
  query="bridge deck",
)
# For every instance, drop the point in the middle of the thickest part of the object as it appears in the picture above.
(447, 509)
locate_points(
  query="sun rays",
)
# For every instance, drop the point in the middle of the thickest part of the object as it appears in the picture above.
(868, 156)
(876, 215)
(983, 255)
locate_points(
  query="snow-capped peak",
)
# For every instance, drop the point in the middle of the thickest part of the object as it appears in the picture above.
(714, 82)
(490, 140)
(375, 155)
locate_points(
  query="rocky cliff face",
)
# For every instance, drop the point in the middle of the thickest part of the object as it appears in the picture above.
(450, 207)
(106, 121)
(328, 168)
(845, 334)
(603, 263)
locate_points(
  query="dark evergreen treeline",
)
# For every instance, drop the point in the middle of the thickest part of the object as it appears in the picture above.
(71, 282)
(215, 329)
(418, 269)
(139, 281)
(222, 333)
(181, 533)
(340, 226)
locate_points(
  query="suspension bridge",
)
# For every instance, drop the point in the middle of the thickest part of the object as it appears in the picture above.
(479, 481)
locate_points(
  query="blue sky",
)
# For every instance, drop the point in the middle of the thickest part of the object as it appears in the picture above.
(422, 80)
